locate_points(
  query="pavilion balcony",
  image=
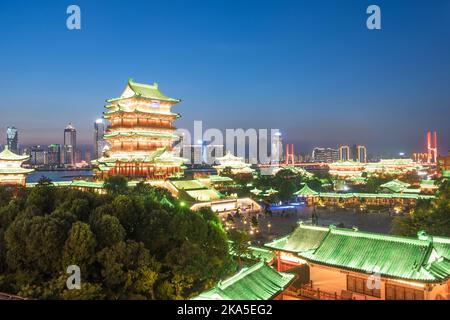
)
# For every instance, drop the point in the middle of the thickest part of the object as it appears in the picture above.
(141, 126)
(308, 291)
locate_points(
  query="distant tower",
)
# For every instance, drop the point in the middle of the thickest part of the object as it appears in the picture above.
(344, 153)
(70, 144)
(276, 148)
(99, 142)
(361, 154)
(432, 150)
(290, 159)
(12, 139)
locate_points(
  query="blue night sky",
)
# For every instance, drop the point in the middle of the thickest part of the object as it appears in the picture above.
(310, 68)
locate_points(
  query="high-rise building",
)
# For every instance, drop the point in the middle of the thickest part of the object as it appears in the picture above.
(99, 142)
(140, 134)
(78, 155)
(38, 156)
(327, 155)
(12, 139)
(54, 155)
(70, 145)
(361, 154)
(88, 155)
(276, 148)
(344, 153)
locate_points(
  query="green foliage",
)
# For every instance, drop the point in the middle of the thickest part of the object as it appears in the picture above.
(116, 185)
(432, 217)
(108, 230)
(285, 181)
(42, 197)
(240, 244)
(128, 244)
(79, 248)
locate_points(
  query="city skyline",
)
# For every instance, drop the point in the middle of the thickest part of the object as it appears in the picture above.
(331, 81)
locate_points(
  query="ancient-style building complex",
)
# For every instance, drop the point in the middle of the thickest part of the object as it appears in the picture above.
(236, 165)
(140, 134)
(337, 263)
(11, 171)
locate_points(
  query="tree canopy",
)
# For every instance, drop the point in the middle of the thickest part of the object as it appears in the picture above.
(127, 243)
(432, 217)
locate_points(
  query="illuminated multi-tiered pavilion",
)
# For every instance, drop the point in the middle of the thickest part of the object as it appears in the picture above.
(11, 171)
(140, 134)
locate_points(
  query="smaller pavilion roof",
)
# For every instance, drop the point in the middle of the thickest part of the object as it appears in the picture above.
(258, 282)
(306, 191)
(395, 185)
(8, 155)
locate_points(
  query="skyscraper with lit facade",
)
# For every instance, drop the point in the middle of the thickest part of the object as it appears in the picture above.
(361, 154)
(344, 153)
(140, 135)
(12, 139)
(99, 142)
(70, 144)
(276, 148)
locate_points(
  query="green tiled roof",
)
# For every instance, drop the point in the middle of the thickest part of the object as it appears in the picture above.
(262, 254)
(256, 191)
(15, 170)
(336, 195)
(7, 154)
(80, 184)
(442, 246)
(258, 282)
(147, 91)
(306, 191)
(395, 185)
(255, 253)
(204, 194)
(391, 256)
(440, 268)
(428, 184)
(410, 190)
(188, 184)
(303, 238)
(425, 258)
(216, 178)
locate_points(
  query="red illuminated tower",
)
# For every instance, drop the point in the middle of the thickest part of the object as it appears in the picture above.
(432, 150)
(290, 154)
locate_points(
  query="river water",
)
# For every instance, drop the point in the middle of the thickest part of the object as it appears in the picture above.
(58, 175)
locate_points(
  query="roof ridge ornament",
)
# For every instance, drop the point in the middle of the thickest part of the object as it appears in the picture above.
(423, 235)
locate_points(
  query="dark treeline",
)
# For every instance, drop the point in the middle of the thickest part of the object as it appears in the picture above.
(135, 243)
